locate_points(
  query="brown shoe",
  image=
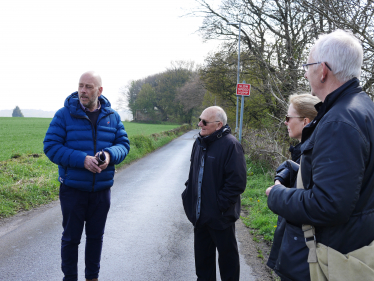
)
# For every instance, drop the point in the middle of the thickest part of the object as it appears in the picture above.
(95, 279)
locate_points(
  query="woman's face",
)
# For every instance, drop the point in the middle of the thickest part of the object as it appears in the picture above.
(295, 125)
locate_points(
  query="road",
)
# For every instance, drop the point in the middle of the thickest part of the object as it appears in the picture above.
(147, 235)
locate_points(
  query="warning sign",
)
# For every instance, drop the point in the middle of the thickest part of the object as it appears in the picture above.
(243, 89)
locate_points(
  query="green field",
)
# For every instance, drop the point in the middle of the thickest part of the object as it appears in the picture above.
(27, 177)
(25, 135)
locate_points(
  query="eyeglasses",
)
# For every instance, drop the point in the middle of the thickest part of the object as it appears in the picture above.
(306, 65)
(289, 117)
(205, 122)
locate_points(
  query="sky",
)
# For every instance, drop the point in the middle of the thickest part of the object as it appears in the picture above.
(47, 44)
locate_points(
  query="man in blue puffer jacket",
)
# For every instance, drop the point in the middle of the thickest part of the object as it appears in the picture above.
(84, 129)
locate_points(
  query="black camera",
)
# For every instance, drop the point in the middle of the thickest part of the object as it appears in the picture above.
(101, 157)
(287, 173)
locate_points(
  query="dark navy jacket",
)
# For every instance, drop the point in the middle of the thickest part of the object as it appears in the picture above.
(338, 173)
(71, 137)
(289, 253)
(217, 178)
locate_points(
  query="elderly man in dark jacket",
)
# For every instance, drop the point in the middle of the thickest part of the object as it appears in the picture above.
(212, 196)
(337, 162)
(86, 138)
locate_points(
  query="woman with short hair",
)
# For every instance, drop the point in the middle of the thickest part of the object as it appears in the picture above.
(288, 256)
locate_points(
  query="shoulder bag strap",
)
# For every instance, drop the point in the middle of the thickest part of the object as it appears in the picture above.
(309, 231)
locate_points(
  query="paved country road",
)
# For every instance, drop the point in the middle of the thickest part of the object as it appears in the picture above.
(147, 235)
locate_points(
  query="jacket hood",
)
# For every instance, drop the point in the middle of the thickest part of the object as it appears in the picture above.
(72, 103)
(225, 130)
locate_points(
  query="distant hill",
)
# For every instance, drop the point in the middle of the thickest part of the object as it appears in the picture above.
(29, 113)
(125, 115)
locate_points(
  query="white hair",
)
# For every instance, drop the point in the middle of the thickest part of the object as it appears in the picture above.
(220, 114)
(342, 51)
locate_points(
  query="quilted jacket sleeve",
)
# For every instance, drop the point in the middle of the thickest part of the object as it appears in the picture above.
(121, 146)
(54, 144)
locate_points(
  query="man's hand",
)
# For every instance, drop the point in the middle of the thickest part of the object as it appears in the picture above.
(90, 163)
(271, 187)
(107, 161)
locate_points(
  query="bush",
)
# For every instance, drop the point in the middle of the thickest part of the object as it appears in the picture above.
(266, 146)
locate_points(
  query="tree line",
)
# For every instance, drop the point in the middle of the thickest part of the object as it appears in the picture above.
(276, 36)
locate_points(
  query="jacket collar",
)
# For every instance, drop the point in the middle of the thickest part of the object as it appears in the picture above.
(350, 87)
(295, 152)
(206, 141)
(73, 104)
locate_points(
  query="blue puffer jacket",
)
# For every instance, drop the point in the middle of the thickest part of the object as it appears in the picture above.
(71, 137)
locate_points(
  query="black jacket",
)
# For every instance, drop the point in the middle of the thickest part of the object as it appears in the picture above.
(217, 178)
(289, 253)
(338, 172)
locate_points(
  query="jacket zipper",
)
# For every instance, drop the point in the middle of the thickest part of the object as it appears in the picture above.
(94, 137)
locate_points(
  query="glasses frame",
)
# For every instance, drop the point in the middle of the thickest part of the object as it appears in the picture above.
(205, 122)
(289, 117)
(306, 65)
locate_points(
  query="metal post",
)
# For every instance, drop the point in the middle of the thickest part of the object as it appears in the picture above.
(237, 81)
(238, 72)
(241, 118)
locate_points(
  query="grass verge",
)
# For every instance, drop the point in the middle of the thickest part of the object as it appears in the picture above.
(30, 180)
(259, 218)
(26, 182)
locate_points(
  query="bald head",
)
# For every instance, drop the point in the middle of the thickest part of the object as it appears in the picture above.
(214, 117)
(89, 89)
(93, 76)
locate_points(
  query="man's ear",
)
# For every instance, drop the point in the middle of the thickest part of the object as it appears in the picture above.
(325, 72)
(220, 125)
(306, 121)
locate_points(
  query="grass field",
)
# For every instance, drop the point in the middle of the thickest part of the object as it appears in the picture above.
(254, 200)
(25, 135)
(27, 177)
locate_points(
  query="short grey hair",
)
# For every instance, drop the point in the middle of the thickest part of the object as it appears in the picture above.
(343, 53)
(220, 114)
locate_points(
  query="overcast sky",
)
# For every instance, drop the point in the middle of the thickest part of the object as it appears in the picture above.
(46, 45)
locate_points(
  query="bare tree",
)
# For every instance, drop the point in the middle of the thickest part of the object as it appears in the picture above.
(274, 39)
(191, 94)
(354, 15)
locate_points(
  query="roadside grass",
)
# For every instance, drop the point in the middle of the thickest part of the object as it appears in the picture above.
(26, 182)
(259, 218)
(28, 179)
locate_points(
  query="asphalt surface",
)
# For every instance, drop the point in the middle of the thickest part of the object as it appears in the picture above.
(147, 235)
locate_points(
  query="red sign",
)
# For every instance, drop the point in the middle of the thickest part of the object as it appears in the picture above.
(243, 89)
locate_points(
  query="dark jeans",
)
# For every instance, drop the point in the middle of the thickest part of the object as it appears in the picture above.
(81, 208)
(207, 240)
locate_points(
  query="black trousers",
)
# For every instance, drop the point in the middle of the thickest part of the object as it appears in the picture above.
(82, 209)
(207, 240)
